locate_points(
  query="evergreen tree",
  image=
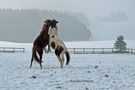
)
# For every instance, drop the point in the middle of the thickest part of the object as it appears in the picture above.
(120, 44)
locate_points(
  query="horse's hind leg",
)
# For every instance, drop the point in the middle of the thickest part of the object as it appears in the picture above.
(40, 64)
(61, 62)
(31, 62)
(40, 55)
(58, 53)
(62, 56)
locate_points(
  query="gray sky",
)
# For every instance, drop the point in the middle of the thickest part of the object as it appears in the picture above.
(92, 8)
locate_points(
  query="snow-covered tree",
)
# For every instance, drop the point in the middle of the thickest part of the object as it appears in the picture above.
(120, 44)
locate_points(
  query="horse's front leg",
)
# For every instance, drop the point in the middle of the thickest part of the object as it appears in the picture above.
(49, 41)
(31, 62)
(49, 49)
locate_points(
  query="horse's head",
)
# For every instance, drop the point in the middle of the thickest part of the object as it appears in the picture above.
(48, 22)
(53, 23)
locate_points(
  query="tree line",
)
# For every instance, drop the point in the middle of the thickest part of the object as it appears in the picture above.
(24, 25)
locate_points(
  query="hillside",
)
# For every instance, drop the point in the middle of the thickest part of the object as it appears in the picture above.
(24, 25)
(110, 30)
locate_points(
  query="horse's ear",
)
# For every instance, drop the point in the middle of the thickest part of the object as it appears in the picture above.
(55, 21)
(47, 21)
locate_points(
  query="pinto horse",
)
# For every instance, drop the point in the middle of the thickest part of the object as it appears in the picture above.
(57, 44)
(40, 43)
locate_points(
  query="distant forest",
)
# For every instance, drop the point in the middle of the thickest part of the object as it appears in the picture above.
(114, 17)
(24, 25)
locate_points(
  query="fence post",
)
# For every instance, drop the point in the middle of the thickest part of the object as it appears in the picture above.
(128, 50)
(4, 49)
(131, 51)
(13, 49)
(84, 50)
(103, 50)
(23, 49)
(74, 51)
(112, 50)
(93, 50)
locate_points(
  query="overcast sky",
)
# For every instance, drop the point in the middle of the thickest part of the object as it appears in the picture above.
(91, 8)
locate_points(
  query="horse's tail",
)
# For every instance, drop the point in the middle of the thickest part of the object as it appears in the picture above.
(34, 55)
(68, 57)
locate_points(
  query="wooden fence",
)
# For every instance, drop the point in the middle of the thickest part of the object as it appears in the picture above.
(98, 50)
(11, 49)
(74, 50)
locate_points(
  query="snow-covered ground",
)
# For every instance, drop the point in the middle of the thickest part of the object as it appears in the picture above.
(85, 71)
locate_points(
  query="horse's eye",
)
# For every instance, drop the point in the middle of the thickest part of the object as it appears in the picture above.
(52, 36)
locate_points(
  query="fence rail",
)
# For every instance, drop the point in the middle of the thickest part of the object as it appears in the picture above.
(11, 49)
(98, 50)
(74, 50)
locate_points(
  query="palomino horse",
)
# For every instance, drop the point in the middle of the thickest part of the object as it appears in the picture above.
(57, 44)
(40, 43)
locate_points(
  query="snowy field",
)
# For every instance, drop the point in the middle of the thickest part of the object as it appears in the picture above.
(84, 72)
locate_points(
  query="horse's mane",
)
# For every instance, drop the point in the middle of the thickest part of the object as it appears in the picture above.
(45, 28)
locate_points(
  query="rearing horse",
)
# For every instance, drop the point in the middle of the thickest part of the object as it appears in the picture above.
(40, 43)
(57, 44)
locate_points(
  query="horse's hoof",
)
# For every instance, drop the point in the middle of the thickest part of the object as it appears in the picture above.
(34, 77)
